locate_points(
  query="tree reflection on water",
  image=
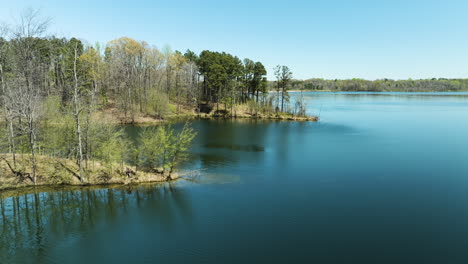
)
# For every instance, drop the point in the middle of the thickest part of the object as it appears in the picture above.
(32, 222)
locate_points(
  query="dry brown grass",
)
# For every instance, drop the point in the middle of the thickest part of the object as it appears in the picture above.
(114, 116)
(57, 171)
(243, 111)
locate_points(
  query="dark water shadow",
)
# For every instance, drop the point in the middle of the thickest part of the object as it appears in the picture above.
(31, 223)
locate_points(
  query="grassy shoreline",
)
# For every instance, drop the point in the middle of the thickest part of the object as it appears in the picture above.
(115, 117)
(54, 172)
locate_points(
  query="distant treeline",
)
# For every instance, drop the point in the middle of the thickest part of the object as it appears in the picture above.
(384, 85)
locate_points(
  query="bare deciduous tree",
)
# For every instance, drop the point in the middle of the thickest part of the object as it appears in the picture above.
(25, 96)
(76, 113)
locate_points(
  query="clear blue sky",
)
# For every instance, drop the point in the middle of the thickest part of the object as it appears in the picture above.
(325, 39)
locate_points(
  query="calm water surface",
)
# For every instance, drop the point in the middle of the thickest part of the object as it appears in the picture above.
(382, 178)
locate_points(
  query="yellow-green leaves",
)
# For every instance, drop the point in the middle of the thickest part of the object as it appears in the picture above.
(164, 147)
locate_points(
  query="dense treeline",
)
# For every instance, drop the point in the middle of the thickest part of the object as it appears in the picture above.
(52, 90)
(384, 85)
(129, 75)
(58, 97)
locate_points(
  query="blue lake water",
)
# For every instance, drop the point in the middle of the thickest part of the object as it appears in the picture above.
(382, 178)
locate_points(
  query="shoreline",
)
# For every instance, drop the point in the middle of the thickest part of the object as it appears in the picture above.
(149, 120)
(60, 172)
(262, 117)
(377, 92)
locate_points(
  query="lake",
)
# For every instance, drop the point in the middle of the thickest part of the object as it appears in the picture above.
(382, 178)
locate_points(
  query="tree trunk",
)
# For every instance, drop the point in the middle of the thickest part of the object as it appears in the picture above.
(282, 100)
(12, 141)
(32, 145)
(77, 119)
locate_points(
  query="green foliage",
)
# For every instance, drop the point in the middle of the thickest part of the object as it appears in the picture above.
(52, 108)
(191, 56)
(283, 79)
(382, 85)
(110, 145)
(181, 145)
(158, 104)
(3, 139)
(163, 147)
(218, 70)
(58, 138)
(253, 107)
(253, 78)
